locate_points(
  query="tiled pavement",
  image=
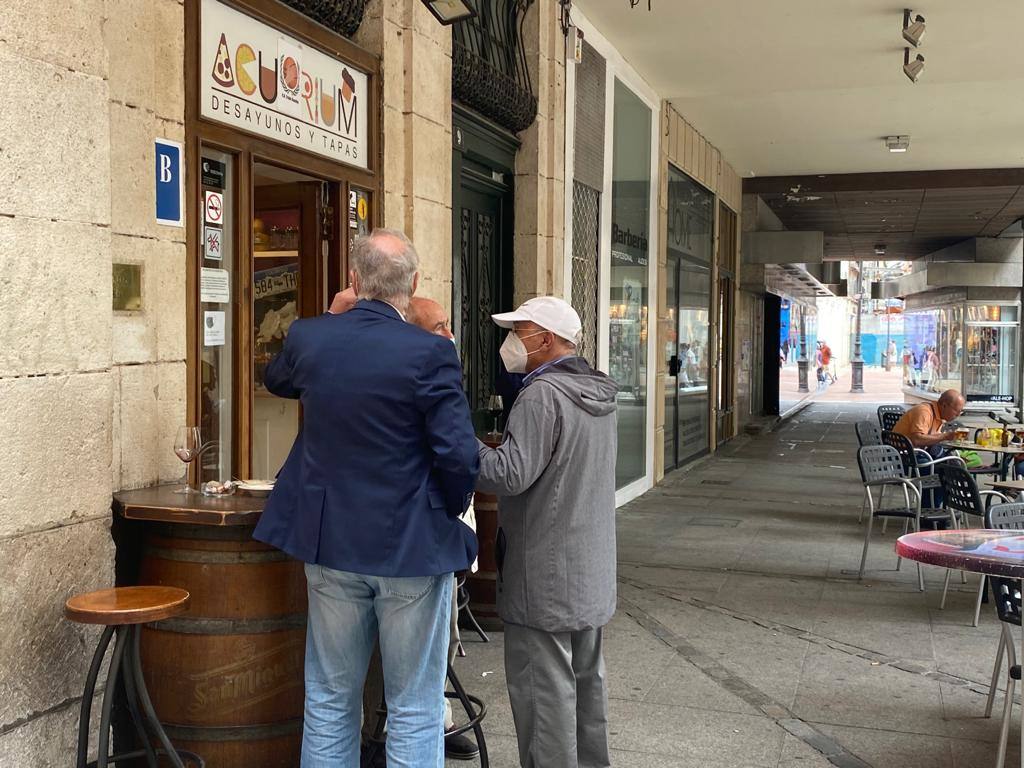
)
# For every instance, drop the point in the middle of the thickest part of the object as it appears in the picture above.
(743, 639)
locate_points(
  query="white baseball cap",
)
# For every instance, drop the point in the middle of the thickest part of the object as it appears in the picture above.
(550, 313)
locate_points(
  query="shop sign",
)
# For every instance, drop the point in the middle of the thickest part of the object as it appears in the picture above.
(628, 248)
(170, 186)
(990, 398)
(212, 173)
(260, 80)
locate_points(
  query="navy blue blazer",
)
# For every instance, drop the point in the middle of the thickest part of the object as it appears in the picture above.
(387, 458)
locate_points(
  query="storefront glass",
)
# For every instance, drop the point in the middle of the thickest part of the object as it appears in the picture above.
(972, 348)
(218, 255)
(990, 367)
(629, 284)
(689, 248)
(932, 350)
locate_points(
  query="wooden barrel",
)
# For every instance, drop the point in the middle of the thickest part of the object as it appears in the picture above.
(483, 584)
(226, 677)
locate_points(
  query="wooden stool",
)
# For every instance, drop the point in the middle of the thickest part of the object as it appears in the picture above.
(123, 611)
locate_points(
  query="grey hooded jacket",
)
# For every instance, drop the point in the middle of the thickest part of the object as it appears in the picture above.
(554, 474)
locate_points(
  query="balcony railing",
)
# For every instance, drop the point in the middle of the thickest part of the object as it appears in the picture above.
(341, 16)
(489, 68)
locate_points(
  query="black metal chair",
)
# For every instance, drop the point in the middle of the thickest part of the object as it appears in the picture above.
(917, 459)
(888, 415)
(1006, 593)
(881, 467)
(465, 611)
(963, 499)
(868, 433)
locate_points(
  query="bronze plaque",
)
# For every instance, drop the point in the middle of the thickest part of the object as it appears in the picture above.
(127, 287)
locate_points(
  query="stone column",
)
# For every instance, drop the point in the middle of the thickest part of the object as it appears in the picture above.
(416, 65)
(540, 162)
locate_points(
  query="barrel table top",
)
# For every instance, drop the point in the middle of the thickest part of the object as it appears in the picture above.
(996, 553)
(160, 503)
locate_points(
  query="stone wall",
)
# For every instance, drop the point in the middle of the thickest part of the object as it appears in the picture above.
(92, 398)
(416, 66)
(540, 162)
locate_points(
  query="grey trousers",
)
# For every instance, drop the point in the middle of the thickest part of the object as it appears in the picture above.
(556, 684)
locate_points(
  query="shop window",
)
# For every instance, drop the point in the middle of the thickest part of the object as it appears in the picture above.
(629, 282)
(990, 352)
(932, 353)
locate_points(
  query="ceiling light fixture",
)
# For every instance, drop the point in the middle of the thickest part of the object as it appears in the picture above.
(912, 69)
(450, 12)
(913, 31)
(897, 143)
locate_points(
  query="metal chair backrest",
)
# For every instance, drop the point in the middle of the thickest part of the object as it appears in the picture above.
(961, 490)
(906, 450)
(868, 433)
(879, 462)
(1006, 517)
(888, 415)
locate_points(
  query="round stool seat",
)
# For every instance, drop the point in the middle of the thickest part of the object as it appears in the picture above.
(126, 605)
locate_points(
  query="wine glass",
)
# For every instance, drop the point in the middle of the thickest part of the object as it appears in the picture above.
(186, 448)
(495, 407)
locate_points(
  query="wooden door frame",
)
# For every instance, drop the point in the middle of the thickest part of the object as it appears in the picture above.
(247, 149)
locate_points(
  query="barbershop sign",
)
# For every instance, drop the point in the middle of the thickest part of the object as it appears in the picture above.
(260, 80)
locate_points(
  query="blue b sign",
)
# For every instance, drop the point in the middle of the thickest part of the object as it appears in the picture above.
(170, 187)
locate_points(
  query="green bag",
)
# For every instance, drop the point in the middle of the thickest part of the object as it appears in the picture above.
(971, 458)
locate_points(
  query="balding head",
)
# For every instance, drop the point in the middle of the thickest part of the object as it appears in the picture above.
(430, 316)
(384, 267)
(951, 404)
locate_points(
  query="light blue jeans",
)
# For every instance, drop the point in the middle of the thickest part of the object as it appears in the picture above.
(346, 613)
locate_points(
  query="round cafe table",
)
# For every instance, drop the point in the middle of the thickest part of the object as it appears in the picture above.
(993, 553)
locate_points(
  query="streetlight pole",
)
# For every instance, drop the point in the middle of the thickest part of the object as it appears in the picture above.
(801, 363)
(857, 361)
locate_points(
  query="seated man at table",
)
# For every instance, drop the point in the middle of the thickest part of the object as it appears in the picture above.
(923, 424)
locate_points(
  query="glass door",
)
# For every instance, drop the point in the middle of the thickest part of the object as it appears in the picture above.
(288, 282)
(674, 364)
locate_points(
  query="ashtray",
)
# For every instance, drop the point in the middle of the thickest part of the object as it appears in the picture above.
(215, 488)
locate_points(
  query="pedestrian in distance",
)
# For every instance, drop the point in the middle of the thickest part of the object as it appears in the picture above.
(554, 474)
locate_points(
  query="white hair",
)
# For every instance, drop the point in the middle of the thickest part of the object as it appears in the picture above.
(386, 263)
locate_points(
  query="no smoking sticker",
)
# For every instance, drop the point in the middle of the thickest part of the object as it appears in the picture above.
(214, 208)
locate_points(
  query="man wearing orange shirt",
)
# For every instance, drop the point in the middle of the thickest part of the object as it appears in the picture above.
(923, 424)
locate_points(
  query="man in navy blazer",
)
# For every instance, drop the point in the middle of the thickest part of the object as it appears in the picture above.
(370, 498)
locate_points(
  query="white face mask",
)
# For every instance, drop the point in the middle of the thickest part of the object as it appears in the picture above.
(513, 352)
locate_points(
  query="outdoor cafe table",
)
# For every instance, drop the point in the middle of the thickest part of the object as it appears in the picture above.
(993, 553)
(999, 450)
(1004, 486)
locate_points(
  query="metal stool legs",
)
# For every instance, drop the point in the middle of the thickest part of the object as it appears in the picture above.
(464, 609)
(475, 710)
(125, 655)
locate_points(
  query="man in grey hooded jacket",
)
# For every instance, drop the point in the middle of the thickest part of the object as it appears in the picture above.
(554, 474)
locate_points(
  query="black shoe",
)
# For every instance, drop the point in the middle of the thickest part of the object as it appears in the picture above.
(373, 756)
(460, 748)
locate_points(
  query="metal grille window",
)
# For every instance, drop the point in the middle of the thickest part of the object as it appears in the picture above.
(586, 208)
(489, 70)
